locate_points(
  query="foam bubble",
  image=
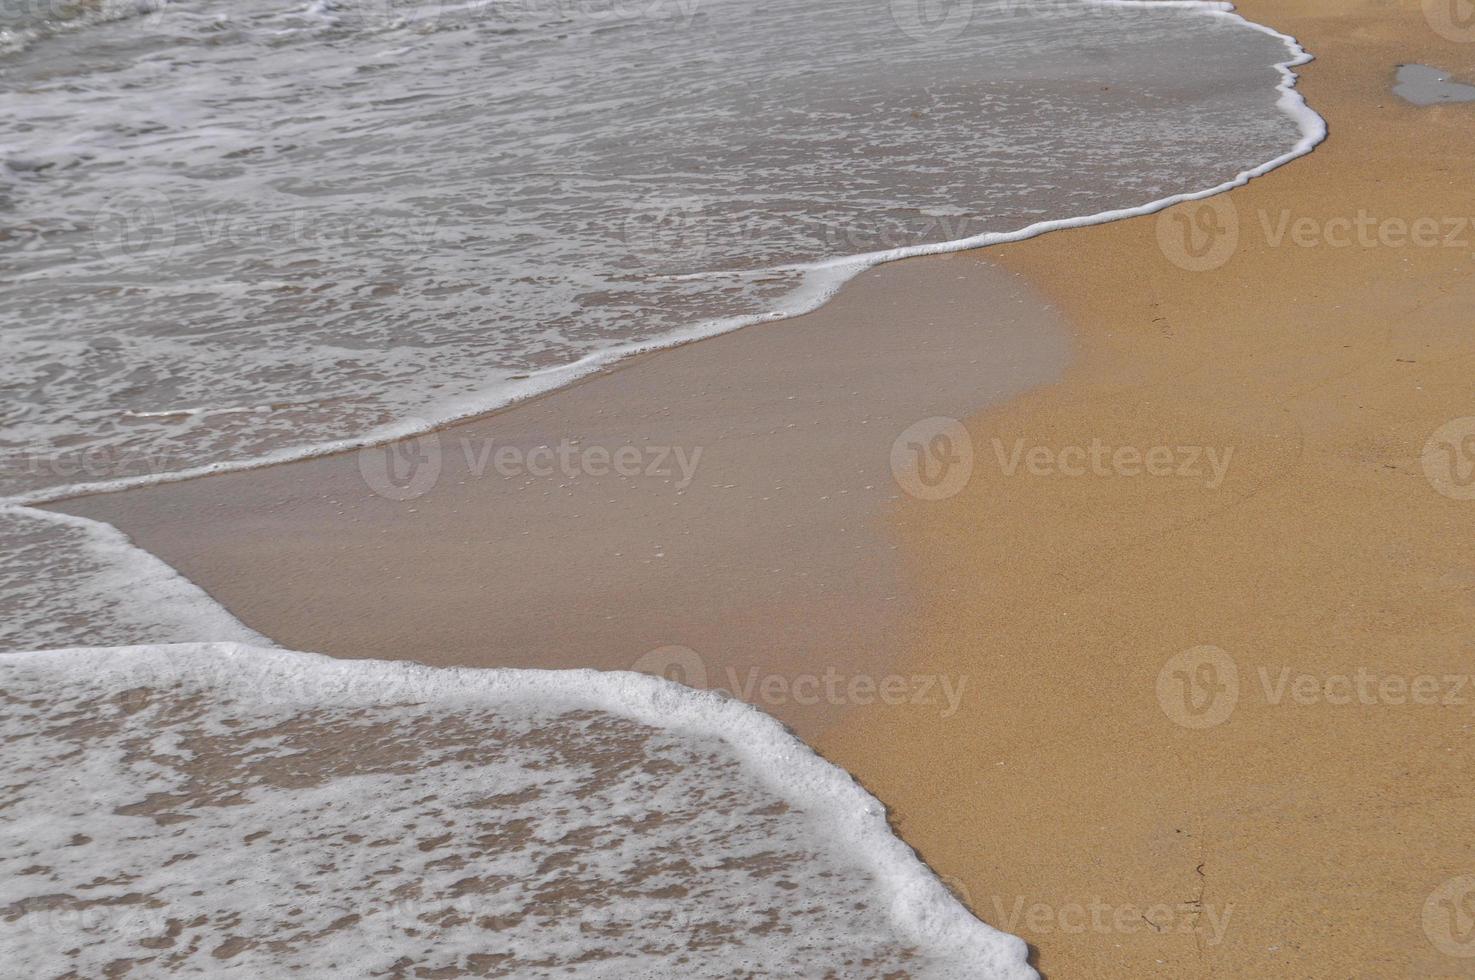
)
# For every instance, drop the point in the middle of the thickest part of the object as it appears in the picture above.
(68, 580)
(248, 812)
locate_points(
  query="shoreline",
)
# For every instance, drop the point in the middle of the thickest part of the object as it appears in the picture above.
(808, 298)
(1067, 799)
(713, 513)
(522, 769)
(1200, 752)
(917, 904)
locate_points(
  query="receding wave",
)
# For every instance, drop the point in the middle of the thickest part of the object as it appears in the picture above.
(242, 232)
(238, 811)
(25, 22)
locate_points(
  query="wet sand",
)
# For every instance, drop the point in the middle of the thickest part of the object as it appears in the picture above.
(714, 512)
(1248, 414)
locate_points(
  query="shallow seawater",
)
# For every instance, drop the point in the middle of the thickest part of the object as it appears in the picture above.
(248, 813)
(1423, 85)
(251, 227)
(69, 581)
(259, 228)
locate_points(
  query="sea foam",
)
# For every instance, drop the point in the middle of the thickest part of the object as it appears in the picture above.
(68, 580)
(251, 232)
(380, 212)
(240, 811)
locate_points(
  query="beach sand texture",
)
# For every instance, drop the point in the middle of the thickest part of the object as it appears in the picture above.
(1322, 835)
(729, 524)
(1074, 797)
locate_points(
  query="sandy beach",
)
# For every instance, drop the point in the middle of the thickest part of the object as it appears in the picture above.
(1173, 681)
(716, 512)
(1319, 826)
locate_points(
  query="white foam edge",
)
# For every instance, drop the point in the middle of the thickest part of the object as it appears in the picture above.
(822, 279)
(150, 579)
(919, 904)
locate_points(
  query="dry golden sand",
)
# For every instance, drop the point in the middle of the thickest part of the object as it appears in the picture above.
(1318, 831)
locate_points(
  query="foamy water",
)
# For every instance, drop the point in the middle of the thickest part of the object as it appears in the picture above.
(68, 580)
(236, 811)
(252, 230)
(257, 228)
